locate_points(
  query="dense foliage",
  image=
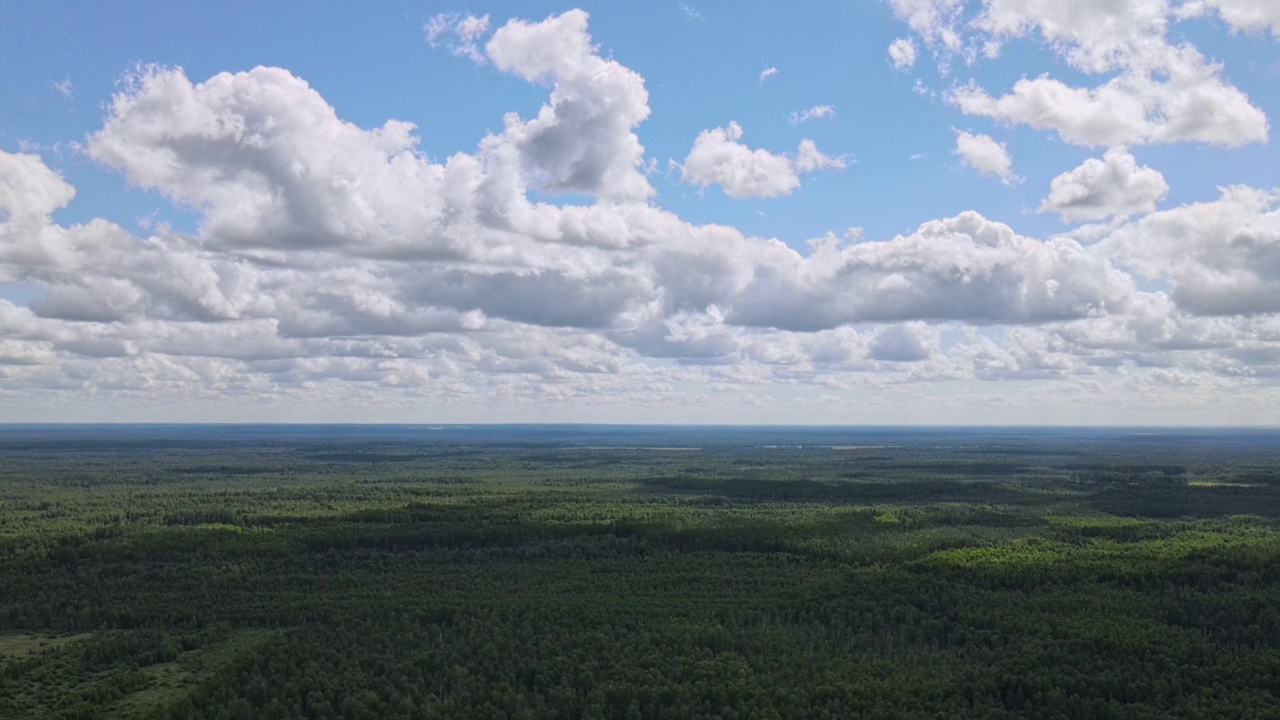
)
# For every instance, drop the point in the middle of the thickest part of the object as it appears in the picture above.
(214, 572)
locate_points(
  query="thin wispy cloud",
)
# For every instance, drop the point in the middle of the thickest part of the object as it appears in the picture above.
(691, 13)
(459, 34)
(817, 112)
(64, 88)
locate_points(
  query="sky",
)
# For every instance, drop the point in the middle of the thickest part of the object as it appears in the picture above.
(1060, 212)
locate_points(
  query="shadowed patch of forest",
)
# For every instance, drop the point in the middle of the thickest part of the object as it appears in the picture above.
(579, 572)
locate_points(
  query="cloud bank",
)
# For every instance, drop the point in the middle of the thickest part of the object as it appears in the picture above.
(340, 266)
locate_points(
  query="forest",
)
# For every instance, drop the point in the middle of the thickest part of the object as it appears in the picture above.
(413, 572)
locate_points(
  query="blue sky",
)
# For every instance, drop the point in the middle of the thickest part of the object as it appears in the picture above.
(1017, 261)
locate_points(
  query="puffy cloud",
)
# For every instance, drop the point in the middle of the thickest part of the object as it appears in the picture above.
(963, 268)
(695, 294)
(1187, 101)
(767, 73)
(1159, 92)
(1221, 257)
(717, 158)
(935, 20)
(984, 154)
(903, 53)
(19, 322)
(909, 342)
(268, 162)
(29, 193)
(29, 190)
(1099, 189)
(13, 352)
(582, 140)
(1246, 15)
(808, 159)
(336, 266)
(1093, 35)
(271, 166)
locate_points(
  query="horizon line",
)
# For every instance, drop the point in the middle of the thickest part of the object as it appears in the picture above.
(893, 426)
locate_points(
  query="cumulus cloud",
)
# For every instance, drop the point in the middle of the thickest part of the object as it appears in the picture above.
(934, 20)
(1221, 257)
(1099, 189)
(1093, 36)
(717, 158)
(909, 342)
(1245, 15)
(903, 53)
(29, 193)
(271, 166)
(1157, 92)
(808, 159)
(29, 190)
(180, 315)
(338, 266)
(965, 267)
(767, 73)
(984, 154)
(1186, 102)
(582, 139)
(265, 159)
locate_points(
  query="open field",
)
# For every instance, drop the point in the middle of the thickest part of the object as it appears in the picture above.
(582, 572)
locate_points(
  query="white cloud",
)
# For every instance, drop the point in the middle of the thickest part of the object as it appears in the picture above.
(935, 20)
(814, 113)
(966, 267)
(175, 312)
(1221, 257)
(1245, 15)
(235, 147)
(64, 88)
(582, 140)
(458, 33)
(984, 154)
(903, 53)
(1099, 189)
(691, 14)
(29, 190)
(909, 342)
(1191, 103)
(1157, 92)
(1092, 35)
(29, 193)
(272, 166)
(338, 267)
(717, 158)
(767, 73)
(808, 159)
